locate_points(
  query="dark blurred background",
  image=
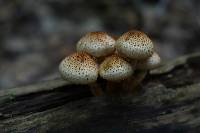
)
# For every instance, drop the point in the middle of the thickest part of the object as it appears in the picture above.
(35, 35)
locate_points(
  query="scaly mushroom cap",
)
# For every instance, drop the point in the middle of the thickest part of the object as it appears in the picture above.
(96, 44)
(135, 45)
(114, 68)
(79, 68)
(149, 63)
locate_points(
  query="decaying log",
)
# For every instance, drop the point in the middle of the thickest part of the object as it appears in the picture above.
(168, 101)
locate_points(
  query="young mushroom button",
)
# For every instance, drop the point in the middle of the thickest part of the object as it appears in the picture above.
(134, 45)
(79, 68)
(96, 44)
(149, 63)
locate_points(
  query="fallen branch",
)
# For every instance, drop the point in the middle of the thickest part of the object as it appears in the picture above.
(9, 94)
(169, 101)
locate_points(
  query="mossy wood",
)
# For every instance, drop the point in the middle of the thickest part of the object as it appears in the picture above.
(168, 101)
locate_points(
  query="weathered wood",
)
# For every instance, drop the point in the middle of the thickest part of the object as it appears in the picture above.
(169, 101)
(9, 94)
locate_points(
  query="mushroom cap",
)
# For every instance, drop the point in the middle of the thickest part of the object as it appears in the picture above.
(149, 63)
(96, 44)
(79, 68)
(135, 45)
(114, 68)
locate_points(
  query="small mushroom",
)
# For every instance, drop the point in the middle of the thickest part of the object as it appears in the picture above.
(138, 47)
(135, 45)
(114, 69)
(142, 67)
(80, 68)
(97, 44)
(149, 63)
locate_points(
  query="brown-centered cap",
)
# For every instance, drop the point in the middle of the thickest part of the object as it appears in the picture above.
(135, 45)
(96, 44)
(79, 68)
(115, 68)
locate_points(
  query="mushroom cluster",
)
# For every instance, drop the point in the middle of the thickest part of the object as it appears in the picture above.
(125, 60)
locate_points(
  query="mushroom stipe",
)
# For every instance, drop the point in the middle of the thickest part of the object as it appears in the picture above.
(122, 60)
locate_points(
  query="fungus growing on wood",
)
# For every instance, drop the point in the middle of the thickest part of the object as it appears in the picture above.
(142, 68)
(80, 68)
(97, 44)
(118, 58)
(147, 64)
(134, 45)
(114, 69)
(150, 63)
(139, 49)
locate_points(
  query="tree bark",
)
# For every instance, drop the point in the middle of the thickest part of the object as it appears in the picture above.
(168, 101)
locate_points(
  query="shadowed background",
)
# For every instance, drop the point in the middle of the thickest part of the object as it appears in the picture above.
(36, 35)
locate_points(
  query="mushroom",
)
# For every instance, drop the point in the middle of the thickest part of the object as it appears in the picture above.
(149, 63)
(141, 70)
(80, 68)
(97, 44)
(139, 49)
(114, 69)
(134, 45)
